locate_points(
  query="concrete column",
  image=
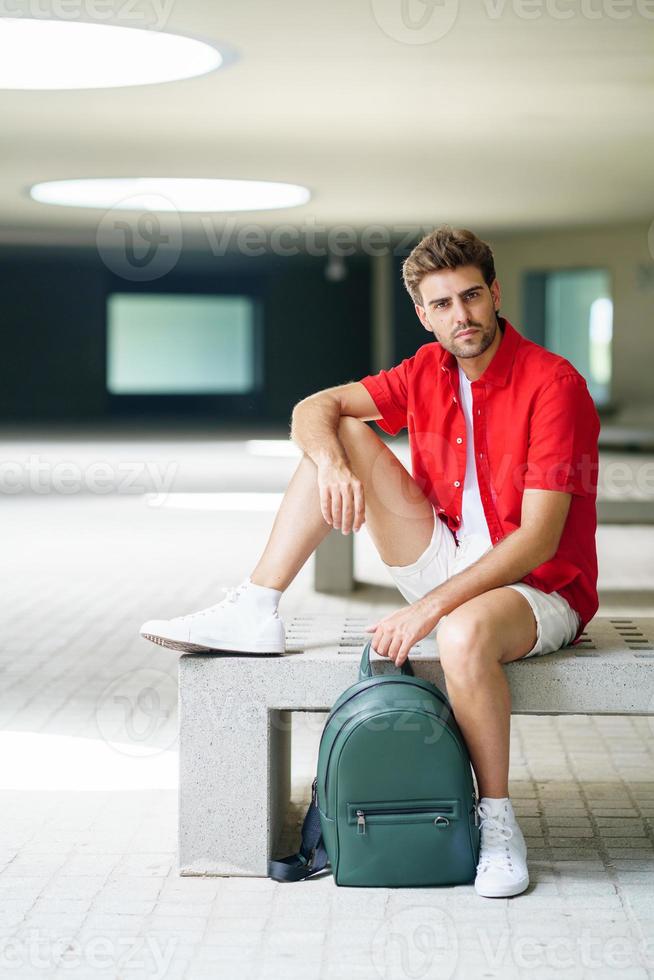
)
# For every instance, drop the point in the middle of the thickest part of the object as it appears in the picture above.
(334, 561)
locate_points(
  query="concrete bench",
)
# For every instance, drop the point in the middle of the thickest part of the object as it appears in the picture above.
(235, 718)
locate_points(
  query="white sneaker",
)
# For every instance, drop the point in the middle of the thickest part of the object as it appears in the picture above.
(235, 624)
(502, 868)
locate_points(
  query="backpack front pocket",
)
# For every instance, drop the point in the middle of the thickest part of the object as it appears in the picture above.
(403, 843)
(437, 812)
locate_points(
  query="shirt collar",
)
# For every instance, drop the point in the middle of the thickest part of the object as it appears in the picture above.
(498, 371)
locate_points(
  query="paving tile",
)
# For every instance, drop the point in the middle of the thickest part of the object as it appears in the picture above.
(102, 863)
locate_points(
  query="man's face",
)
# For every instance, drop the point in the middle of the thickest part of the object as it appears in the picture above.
(458, 300)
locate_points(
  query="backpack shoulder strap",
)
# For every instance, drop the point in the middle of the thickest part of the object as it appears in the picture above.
(312, 856)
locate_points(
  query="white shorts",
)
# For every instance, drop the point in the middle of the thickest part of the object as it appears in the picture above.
(556, 622)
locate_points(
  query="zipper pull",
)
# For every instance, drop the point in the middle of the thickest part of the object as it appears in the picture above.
(314, 791)
(361, 822)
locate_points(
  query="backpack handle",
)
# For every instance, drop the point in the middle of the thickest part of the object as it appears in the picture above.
(365, 670)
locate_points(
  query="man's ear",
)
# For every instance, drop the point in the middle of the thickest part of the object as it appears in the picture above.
(496, 293)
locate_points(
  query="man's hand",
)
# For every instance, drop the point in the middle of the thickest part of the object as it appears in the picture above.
(395, 634)
(341, 497)
(510, 561)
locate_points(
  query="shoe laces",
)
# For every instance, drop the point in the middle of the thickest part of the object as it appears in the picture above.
(495, 835)
(232, 594)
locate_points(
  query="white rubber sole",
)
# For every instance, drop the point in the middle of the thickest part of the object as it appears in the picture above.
(260, 648)
(511, 889)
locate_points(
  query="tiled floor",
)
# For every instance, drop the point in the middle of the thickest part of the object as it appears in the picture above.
(88, 886)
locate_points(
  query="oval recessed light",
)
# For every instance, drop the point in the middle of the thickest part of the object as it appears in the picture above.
(170, 194)
(52, 54)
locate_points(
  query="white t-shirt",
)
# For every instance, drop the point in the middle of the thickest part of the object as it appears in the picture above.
(473, 519)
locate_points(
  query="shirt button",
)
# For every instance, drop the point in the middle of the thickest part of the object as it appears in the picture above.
(459, 439)
(481, 455)
(456, 483)
(454, 400)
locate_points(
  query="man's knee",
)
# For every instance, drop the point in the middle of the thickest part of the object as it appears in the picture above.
(365, 450)
(465, 647)
(400, 517)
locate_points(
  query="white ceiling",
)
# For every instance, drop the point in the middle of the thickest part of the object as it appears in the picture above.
(504, 122)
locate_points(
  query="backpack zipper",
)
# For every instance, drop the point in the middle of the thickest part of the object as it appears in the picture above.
(391, 811)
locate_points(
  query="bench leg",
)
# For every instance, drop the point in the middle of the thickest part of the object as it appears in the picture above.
(334, 563)
(235, 756)
(279, 773)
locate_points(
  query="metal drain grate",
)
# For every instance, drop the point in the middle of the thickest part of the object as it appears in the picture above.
(346, 634)
(633, 636)
(353, 639)
(586, 646)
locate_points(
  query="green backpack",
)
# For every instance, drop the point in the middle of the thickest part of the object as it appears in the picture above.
(393, 803)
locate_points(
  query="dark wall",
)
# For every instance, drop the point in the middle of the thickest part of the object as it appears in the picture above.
(52, 316)
(316, 333)
(408, 333)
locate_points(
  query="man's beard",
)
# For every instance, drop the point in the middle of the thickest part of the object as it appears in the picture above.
(474, 345)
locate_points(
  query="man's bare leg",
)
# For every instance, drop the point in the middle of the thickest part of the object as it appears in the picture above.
(399, 518)
(474, 641)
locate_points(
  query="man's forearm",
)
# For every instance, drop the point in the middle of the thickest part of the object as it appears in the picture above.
(509, 561)
(314, 427)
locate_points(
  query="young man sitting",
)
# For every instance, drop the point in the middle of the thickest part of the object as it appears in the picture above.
(491, 539)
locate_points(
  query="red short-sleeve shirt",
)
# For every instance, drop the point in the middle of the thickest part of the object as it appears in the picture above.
(535, 426)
